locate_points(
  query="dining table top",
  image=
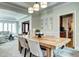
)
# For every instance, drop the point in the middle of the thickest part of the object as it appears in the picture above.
(51, 41)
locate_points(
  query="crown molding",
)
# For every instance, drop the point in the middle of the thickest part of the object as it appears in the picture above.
(13, 7)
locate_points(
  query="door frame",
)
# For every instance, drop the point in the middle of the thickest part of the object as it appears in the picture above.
(74, 21)
(23, 28)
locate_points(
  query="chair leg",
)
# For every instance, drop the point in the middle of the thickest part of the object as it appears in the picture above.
(19, 46)
(25, 52)
(21, 50)
(30, 54)
(54, 55)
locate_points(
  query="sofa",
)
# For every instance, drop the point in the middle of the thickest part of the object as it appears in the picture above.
(4, 35)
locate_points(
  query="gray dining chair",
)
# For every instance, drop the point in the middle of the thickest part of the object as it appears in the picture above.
(66, 52)
(35, 48)
(23, 45)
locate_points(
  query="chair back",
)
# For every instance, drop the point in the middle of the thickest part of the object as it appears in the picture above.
(23, 42)
(35, 48)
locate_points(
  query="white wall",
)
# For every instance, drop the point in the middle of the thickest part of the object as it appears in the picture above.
(63, 9)
(36, 22)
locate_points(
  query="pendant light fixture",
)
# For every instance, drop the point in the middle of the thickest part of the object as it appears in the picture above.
(43, 4)
(30, 10)
(36, 7)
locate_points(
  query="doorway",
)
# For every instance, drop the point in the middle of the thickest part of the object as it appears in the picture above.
(25, 27)
(66, 28)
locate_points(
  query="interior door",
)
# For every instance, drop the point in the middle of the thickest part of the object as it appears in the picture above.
(66, 28)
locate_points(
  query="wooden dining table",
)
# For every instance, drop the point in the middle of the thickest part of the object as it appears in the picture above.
(50, 43)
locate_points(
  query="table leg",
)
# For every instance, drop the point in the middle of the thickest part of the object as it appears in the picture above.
(48, 52)
(52, 53)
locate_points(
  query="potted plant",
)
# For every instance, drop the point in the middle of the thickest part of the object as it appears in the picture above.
(37, 31)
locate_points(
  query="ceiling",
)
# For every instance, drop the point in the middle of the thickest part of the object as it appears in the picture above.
(30, 4)
(17, 10)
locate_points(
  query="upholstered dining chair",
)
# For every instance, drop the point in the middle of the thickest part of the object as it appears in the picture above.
(35, 48)
(23, 45)
(64, 51)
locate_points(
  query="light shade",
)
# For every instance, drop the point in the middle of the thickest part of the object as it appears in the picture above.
(36, 7)
(43, 4)
(30, 10)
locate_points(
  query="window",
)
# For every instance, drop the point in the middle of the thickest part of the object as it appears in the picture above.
(11, 27)
(1, 26)
(26, 27)
(5, 27)
(14, 28)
